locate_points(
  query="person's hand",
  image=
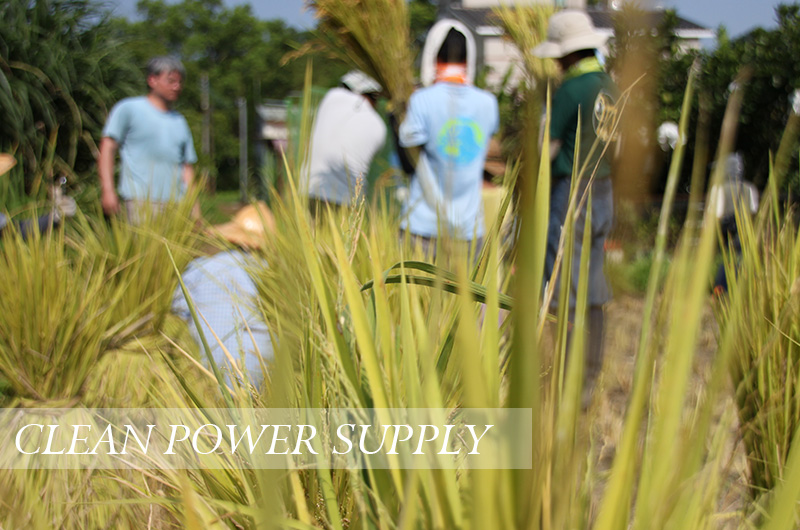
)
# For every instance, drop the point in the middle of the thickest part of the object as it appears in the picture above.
(110, 202)
(196, 214)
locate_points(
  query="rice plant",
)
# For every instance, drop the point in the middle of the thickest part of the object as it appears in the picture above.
(759, 318)
(82, 293)
(374, 36)
(526, 28)
(57, 61)
(138, 254)
(56, 316)
(406, 345)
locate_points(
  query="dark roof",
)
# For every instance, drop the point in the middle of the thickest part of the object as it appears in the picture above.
(601, 18)
(473, 18)
(604, 18)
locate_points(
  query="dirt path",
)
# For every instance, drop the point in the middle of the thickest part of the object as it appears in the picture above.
(624, 323)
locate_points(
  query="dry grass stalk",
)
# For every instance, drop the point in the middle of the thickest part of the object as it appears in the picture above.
(526, 27)
(374, 36)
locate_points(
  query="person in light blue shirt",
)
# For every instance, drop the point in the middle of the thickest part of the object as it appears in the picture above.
(452, 123)
(226, 298)
(154, 143)
(224, 294)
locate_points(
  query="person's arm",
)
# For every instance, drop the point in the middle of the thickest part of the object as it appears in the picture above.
(188, 180)
(105, 169)
(187, 169)
(404, 155)
(555, 148)
(412, 135)
(563, 113)
(188, 176)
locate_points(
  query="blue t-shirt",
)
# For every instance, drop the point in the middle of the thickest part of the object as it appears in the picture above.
(223, 292)
(453, 123)
(153, 146)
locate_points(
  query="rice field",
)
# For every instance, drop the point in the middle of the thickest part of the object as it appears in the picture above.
(691, 424)
(307, 286)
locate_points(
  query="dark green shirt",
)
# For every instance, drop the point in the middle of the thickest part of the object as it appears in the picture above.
(594, 95)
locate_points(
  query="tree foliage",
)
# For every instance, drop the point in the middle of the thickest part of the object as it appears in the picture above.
(241, 56)
(61, 67)
(422, 15)
(770, 58)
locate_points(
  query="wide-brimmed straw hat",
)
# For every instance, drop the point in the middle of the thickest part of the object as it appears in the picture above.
(6, 163)
(569, 31)
(249, 227)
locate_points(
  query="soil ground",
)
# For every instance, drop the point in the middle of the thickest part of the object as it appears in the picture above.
(607, 413)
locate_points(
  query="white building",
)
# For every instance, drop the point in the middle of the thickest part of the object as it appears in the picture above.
(499, 54)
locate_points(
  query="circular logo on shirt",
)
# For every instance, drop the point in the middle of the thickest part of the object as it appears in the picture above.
(605, 116)
(460, 141)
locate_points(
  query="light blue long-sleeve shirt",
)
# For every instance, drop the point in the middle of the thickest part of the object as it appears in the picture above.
(224, 293)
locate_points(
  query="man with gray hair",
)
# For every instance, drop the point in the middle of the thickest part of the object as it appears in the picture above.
(154, 143)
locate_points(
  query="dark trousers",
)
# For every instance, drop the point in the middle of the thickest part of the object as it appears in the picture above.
(599, 292)
(26, 227)
(594, 338)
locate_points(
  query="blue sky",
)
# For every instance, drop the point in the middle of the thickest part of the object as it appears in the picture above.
(737, 15)
(292, 11)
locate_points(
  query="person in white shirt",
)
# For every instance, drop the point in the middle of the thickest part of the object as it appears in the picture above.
(348, 133)
(733, 197)
(734, 193)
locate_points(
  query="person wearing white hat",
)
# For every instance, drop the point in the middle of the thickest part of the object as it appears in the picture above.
(589, 95)
(348, 133)
(224, 294)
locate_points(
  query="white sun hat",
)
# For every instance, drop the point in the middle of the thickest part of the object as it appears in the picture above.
(360, 83)
(433, 43)
(569, 31)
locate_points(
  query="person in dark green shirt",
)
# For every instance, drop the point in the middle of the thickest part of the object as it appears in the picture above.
(588, 96)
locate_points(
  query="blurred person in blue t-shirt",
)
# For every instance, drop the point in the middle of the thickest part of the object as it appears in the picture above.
(451, 123)
(155, 146)
(225, 297)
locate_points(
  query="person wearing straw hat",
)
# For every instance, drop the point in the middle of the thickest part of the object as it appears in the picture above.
(155, 146)
(63, 207)
(449, 124)
(348, 133)
(225, 297)
(587, 95)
